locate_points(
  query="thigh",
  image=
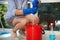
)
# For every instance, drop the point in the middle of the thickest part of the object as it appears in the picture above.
(9, 21)
(21, 20)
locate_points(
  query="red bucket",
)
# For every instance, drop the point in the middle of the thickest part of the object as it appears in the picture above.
(33, 32)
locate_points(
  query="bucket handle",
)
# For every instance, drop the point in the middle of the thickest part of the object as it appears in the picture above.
(43, 32)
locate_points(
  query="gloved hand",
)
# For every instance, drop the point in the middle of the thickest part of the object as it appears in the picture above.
(35, 3)
(29, 11)
(34, 10)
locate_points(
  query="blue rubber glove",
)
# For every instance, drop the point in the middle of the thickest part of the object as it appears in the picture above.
(35, 3)
(29, 10)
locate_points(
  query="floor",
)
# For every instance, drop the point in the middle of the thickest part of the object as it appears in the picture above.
(44, 37)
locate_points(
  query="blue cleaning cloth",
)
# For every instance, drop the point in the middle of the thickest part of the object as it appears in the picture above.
(3, 33)
(52, 37)
(35, 3)
(30, 10)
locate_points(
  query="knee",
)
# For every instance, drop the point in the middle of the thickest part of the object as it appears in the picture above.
(20, 22)
(35, 18)
(24, 22)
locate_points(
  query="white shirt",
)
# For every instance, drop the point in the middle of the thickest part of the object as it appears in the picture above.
(12, 6)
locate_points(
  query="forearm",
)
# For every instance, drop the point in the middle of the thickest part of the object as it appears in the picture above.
(25, 11)
(28, 10)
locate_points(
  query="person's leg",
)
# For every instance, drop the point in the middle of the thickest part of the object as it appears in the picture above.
(23, 34)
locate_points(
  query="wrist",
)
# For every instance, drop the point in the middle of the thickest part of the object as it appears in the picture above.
(18, 12)
(29, 11)
(26, 11)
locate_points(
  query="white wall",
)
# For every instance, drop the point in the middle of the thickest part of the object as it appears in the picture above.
(49, 1)
(43, 1)
(3, 2)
